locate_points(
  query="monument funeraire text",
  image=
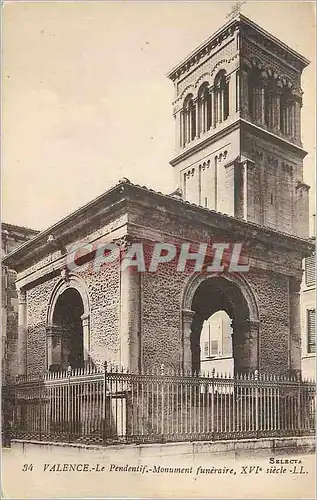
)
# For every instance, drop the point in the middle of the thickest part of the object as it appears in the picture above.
(239, 171)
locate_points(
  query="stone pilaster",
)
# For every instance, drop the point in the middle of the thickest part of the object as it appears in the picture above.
(245, 345)
(301, 210)
(213, 109)
(181, 129)
(254, 342)
(198, 109)
(130, 321)
(230, 178)
(244, 93)
(277, 107)
(244, 197)
(297, 97)
(54, 347)
(187, 318)
(240, 345)
(86, 335)
(22, 333)
(233, 93)
(294, 326)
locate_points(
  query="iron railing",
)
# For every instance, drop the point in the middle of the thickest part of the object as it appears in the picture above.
(110, 405)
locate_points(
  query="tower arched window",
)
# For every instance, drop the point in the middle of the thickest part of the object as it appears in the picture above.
(221, 97)
(205, 111)
(189, 119)
(287, 118)
(269, 105)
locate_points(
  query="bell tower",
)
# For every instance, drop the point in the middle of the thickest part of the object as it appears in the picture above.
(237, 113)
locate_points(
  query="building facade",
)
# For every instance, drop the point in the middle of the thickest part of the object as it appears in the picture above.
(308, 318)
(12, 237)
(239, 178)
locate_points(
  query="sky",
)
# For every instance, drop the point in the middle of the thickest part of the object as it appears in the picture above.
(86, 100)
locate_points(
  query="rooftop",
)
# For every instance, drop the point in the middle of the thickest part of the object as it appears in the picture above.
(125, 189)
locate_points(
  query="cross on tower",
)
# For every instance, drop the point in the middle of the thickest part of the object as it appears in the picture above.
(235, 10)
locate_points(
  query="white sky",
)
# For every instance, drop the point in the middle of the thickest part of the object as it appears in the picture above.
(86, 100)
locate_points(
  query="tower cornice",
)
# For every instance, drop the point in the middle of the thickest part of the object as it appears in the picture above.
(238, 123)
(289, 55)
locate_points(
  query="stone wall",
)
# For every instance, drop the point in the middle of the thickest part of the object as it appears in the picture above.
(162, 328)
(103, 289)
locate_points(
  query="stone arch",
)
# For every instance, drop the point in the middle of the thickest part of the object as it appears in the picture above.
(71, 286)
(204, 104)
(189, 89)
(202, 80)
(220, 66)
(239, 301)
(72, 281)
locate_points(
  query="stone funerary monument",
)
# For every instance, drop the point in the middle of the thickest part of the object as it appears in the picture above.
(239, 176)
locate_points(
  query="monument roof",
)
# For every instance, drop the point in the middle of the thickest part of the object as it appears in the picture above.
(125, 189)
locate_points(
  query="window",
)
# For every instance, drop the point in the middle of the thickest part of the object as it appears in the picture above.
(214, 348)
(310, 270)
(205, 111)
(311, 331)
(272, 199)
(221, 97)
(188, 125)
(206, 349)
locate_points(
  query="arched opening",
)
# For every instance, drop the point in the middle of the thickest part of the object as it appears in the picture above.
(221, 97)
(66, 346)
(239, 322)
(189, 119)
(287, 110)
(205, 112)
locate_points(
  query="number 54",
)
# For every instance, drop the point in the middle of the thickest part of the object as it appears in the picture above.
(27, 467)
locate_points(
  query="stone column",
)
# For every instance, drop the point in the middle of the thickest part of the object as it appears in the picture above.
(130, 324)
(230, 198)
(277, 107)
(245, 345)
(298, 106)
(54, 347)
(270, 109)
(259, 100)
(244, 94)
(297, 114)
(294, 326)
(254, 344)
(245, 203)
(293, 119)
(188, 125)
(221, 103)
(198, 107)
(212, 105)
(86, 336)
(22, 333)
(181, 129)
(187, 318)
(240, 345)
(233, 93)
(217, 105)
(245, 190)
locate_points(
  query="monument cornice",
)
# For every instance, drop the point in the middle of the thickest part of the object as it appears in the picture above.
(122, 199)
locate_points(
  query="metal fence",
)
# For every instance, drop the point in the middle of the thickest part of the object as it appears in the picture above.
(106, 406)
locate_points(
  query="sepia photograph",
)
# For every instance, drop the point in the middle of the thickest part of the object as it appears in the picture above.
(158, 249)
